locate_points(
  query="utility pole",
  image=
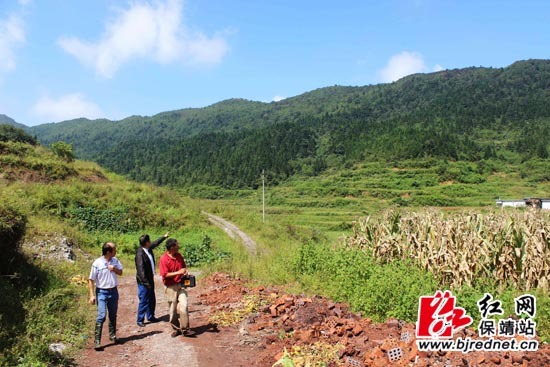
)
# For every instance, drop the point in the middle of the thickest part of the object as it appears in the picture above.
(263, 196)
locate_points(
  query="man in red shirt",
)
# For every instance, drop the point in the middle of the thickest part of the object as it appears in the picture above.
(172, 270)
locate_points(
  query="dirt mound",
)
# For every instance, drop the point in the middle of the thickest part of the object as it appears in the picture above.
(286, 325)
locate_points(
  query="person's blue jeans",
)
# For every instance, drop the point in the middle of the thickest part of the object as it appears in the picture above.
(147, 303)
(107, 301)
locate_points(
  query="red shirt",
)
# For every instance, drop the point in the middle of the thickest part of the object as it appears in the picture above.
(170, 264)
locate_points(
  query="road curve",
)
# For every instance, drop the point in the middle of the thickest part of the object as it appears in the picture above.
(233, 231)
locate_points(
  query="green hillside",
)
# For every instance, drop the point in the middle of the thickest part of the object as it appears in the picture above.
(48, 201)
(467, 114)
(6, 120)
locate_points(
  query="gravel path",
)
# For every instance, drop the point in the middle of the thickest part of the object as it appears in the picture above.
(233, 231)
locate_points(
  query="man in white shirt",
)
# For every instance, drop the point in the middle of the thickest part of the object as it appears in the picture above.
(104, 274)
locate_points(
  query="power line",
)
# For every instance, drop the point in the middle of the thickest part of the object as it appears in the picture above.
(263, 196)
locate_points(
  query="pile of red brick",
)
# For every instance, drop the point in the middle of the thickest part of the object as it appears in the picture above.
(287, 320)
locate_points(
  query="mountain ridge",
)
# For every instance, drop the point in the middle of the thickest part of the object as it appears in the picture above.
(6, 120)
(450, 114)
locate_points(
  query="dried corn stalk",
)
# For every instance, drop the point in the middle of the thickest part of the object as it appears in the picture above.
(511, 247)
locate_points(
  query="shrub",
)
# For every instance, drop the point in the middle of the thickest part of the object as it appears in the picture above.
(63, 150)
(379, 290)
(203, 253)
(12, 229)
(11, 133)
(51, 318)
(93, 219)
(393, 290)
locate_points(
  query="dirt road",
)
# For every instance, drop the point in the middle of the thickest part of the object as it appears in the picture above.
(153, 346)
(233, 231)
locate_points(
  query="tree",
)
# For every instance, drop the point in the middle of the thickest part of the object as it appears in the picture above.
(11, 133)
(63, 150)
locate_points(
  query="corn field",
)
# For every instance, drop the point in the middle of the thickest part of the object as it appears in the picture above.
(461, 249)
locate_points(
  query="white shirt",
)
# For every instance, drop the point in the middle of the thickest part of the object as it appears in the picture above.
(102, 276)
(151, 259)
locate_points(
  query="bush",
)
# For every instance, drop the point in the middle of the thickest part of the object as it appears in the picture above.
(381, 291)
(11, 133)
(393, 290)
(12, 229)
(203, 253)
(93, 219)
(63, 150)
(51, 318)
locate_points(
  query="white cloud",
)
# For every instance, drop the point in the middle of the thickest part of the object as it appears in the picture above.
(24, 2)
(278, 98)
(437, 68)
(66, 107)
(152, 31)
(12, 34)
(402, 64)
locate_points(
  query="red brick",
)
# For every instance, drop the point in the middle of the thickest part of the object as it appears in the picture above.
(495, 360)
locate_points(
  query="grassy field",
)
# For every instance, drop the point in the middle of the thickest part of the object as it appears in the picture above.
(330, 203)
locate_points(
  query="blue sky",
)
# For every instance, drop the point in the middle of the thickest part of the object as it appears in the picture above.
(104, 58)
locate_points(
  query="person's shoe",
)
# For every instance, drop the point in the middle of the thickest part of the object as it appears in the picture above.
(175, 333)
(140, 324)
(97, 336)
(189, 333)
(152, 320)
(112, 331)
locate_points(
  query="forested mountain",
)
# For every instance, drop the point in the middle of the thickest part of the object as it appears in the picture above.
(463, 114)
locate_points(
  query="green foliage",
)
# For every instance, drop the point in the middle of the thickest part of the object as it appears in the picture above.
(12, 314)
(63, 150)
(93, 219)
(543, 316)
(393, 290)
(463, 172)
(381, 291)
(12, 229)
(457, 115)
(11, 133)
(203, 253)
(30, 317)
(34, 163)
(50, 318)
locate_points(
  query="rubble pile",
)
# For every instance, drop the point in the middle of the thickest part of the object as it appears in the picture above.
(283, 324)
(56, 247)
